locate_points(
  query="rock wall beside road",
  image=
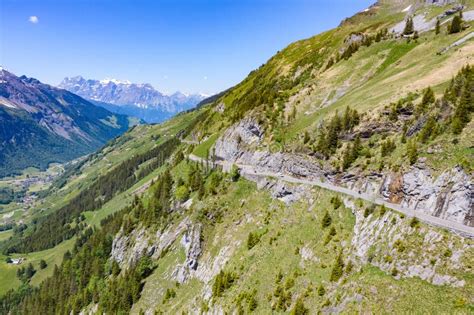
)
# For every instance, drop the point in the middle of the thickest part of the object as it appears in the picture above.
(449, 196)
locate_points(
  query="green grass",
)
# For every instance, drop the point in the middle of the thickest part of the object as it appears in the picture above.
(53, 256)
(5, 234)
(203, 149)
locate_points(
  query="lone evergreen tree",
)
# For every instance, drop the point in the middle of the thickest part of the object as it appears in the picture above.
(338, 268)
(412, 152)
(438, 27)
(456, 25)
(409, 28)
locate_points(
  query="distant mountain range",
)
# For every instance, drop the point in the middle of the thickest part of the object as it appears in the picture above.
(40, 124)
(124, 97)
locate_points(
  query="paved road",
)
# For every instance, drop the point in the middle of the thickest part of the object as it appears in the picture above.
(439, 222)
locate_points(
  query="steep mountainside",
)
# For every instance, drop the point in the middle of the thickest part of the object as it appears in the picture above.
(336, 178)
(41, 124)
(124, 97)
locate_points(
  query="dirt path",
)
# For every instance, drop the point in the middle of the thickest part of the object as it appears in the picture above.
(455, 227)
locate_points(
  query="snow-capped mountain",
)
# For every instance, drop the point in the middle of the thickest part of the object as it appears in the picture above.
(141, 100)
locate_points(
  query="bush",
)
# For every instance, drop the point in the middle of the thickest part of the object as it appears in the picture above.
(369, 210)
(252, 240)
(224, 280)
(234, 173)
(321, 290)
(170, 294)
(182, 193)
(43, 264)
(336, 202)
(299, 308)
(327, 220)
(414, 223)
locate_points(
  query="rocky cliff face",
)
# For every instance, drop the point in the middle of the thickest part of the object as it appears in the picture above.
(449, 196)
(381, 241)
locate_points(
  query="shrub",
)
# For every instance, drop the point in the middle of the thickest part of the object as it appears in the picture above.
(394, 272)
(181, 193)
(321, 290)
(299, 308)
(252, 240)
(414, 222)
(224, 281)
(43, 264)
(234, 173)
(399, 245)
(336, 202)
(369, 210)
(327, 220)
(170, 294)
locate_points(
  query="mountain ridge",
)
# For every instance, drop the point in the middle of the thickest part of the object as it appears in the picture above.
(147, 102)
(56, 119)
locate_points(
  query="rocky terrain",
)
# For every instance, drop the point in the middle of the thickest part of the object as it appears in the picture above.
(449, 196)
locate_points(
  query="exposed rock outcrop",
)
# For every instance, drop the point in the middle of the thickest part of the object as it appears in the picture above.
(449, 196)
(128, 249)
(381, 241)
(191, 242)
(239, 145)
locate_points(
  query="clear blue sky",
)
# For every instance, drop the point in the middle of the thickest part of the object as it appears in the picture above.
(190, 45)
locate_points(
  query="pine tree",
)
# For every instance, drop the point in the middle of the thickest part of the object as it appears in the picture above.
(412, 152)
(338, 268)
(299, 308)
(462, 115)
(438, 27)
(456, 25)
(327, 220)
(428, 97)
(428, 130)
(409, 28)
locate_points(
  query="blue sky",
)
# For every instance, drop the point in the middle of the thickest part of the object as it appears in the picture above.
(190, 45)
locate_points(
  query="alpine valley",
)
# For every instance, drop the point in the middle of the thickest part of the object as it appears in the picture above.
(41, 124)
(335, 178)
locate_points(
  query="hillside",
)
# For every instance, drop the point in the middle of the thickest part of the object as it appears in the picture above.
(335, 178)
(41, 124)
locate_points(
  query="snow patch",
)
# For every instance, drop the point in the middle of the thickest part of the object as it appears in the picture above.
(115, 81)
(407, 9)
